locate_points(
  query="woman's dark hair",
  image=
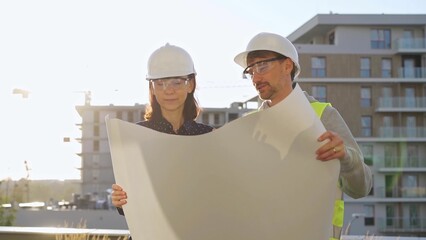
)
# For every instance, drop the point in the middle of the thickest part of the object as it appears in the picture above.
(266, 53)
(191, 110)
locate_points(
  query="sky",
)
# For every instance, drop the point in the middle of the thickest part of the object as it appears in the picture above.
(59, 49)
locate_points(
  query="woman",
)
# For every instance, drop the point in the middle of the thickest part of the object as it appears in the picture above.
(172, 106)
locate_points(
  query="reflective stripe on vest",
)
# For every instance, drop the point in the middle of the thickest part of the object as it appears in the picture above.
(339, 209)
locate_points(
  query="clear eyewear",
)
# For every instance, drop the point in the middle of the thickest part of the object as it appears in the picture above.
(260, 67)
(173, 83)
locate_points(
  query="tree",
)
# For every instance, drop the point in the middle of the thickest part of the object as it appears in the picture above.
(7, 215)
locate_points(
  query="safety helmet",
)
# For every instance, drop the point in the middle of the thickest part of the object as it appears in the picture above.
(169, 61)
(270, 42)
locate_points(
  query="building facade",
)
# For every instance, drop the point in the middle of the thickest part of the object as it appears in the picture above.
(372, 68)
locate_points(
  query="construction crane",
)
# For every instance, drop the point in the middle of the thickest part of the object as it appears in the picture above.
(27, 180)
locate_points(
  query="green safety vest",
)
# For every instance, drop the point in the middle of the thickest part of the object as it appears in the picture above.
(339, 208)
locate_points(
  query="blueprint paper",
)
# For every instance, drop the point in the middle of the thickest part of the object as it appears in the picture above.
(254, 178)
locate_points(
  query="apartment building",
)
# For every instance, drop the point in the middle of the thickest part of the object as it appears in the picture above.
(372, 68)
(96, 165)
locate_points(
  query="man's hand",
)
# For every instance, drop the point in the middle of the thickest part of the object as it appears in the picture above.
(334, 149)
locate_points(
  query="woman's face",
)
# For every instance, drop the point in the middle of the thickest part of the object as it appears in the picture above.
(171, 93)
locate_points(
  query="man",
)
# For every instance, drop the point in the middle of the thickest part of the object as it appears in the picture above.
(272, 63)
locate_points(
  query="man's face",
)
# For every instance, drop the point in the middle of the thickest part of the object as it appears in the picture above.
(271, 79)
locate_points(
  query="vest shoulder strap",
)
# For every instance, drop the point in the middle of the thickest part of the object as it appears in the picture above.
(319, 107)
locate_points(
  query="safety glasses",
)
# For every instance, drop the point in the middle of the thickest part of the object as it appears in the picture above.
(260, 67)
(176, 83)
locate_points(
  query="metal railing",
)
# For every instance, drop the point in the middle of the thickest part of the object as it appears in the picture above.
(50, 233)
(395, 224)
(400, 192)
(402, 132)
(411, 43)
(402, 102)
(401, 162)
(412, 72)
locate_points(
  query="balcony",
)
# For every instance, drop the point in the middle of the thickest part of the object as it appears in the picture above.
(406, 225)
(410, 45)
(412, 72)
(402, 132)
(401, 192)
(401, 104)
(401, 162)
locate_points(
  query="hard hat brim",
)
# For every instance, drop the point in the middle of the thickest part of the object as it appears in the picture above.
(241, 59)
(148, 78)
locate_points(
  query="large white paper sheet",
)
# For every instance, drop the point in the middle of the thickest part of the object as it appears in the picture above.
(254, 178)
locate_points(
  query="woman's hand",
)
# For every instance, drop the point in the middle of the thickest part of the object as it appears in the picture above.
(118, 196)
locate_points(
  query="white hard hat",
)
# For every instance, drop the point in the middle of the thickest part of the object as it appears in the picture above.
(270, 42)
(169, 61)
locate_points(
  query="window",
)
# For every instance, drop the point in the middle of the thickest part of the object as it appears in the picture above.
(216, 118)
(96, 116)
(390, 215)
(331, 38)
(96, 146)
(391, 186)
(319, 93)
(95, 175)
(365, 70)
(391, 156)
(367, 151)
(412, 156)
(119, 114)
(387, 97)
(408, 39)
(410, 184)
(387, 128)
(366, 123)
(369, 215)
(318, 66)
(205, 118)
(410, 97)
(380, 38)
(414, 212)
(365, 97)
(371, 193)
(95, 161)
(130, 116)
(386, 68)
(232, 116)
(409, 68)
(410, 181)
(411, 126)
(96, 131)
